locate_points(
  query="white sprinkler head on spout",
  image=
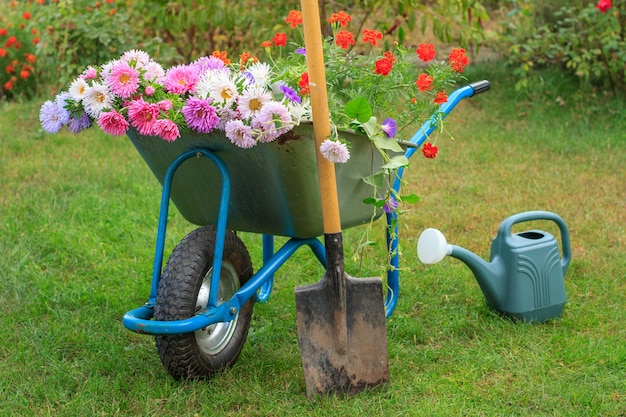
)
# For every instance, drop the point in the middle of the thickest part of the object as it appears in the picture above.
(432, 246)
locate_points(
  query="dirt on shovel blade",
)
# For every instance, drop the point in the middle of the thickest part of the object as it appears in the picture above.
(363, 360)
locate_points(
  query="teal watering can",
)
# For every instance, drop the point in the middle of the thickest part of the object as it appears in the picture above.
(525, 276)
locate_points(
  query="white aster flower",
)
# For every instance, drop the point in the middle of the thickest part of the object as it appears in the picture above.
(154, 72)
(299, 111)
(261, 72)
(136, 58)
(96, 99)
(252, 101)
(219, 86)
(78, 88)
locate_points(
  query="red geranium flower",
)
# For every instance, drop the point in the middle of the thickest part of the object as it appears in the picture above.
(26, 15)
(426, 51)
(441, 97)
(372, 36)
(458, 59)
(304, 84)
(294, 18)
(344, 39)
(342, 17)
(3, 52)
(280, 39)
(3, 32)
(424, 82)
(429, 150)
(266, 44)
(384, 66)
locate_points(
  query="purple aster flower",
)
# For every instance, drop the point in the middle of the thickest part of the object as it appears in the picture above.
(390, 127)
(390, 205)
(200, 115)
(78, 124)
(205, 63)
(335, 151)
(62, 100)
(249, 77)
(51, 117)
(290, 94)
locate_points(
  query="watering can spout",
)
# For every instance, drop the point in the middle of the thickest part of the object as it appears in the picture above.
(432, 247)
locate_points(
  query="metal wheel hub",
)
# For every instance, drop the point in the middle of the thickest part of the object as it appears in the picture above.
(212, 339)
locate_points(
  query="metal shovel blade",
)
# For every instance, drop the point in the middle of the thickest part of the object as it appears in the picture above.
(342, 333)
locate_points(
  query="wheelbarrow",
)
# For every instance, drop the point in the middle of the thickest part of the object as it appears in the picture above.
(200, 304)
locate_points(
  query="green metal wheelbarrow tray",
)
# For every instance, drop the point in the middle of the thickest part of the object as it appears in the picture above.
(200, 304)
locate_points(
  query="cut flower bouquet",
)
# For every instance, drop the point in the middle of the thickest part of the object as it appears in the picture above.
(378, 93)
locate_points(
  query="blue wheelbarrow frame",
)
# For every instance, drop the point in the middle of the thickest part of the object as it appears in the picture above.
(260, 284)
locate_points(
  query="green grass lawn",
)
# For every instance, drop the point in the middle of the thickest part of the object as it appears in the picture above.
(78, 218)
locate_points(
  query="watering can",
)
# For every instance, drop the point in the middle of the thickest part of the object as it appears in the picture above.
(525, 276)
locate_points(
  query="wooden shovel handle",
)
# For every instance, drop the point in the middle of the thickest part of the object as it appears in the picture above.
(321, 116)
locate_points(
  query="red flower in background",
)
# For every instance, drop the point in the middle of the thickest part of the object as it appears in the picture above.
(441, 97)
(294, 18)
(429, 150)
(344, 39)
(604, 5)
(3, 32)
(458, 59)
(304, 84)
(424, 82)
(222, 56)
(341, 17)
(372, 36)
(426, 51)
(383, 66)
(280, 39)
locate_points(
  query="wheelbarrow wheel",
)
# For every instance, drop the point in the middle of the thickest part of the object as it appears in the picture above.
(184, 290)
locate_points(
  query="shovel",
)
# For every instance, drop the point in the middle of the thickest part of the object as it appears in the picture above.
(341, 320)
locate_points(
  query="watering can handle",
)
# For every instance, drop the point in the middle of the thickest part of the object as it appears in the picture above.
(507, 224)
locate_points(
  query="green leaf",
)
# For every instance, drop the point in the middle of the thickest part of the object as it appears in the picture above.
(359, 109)
(377, 202)
(384, 142)
(410, 199)
(396, 162)
(375, 180)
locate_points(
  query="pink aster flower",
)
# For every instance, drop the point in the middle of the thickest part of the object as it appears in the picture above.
(181, 79)
(165, 105)
(123, 80)
(200, 115)
(335, 151)
(149, 90)
(113, 123)
(90, 73)
(142, 116)
(166, 129)
(240, 134)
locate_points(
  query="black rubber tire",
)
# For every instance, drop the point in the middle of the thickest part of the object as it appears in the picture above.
(188, 272)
